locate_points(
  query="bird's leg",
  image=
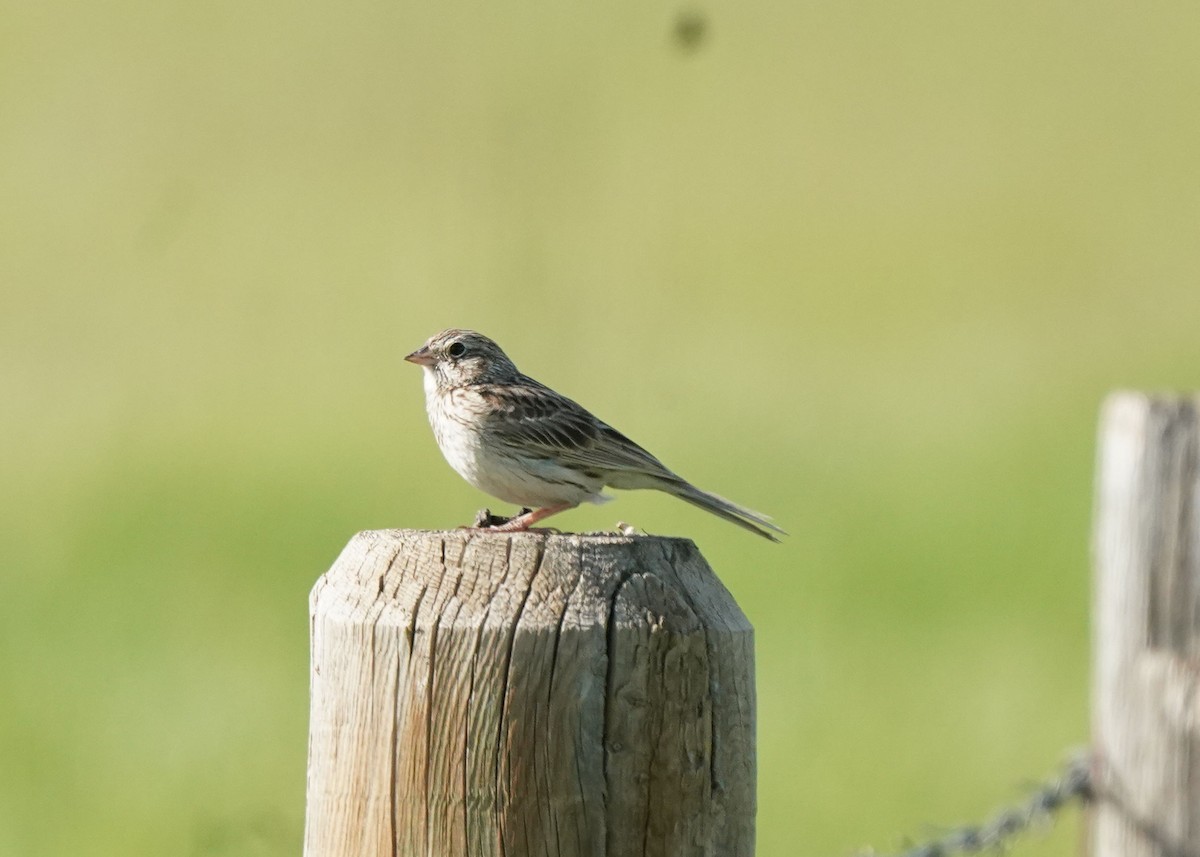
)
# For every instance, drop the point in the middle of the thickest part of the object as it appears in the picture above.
(526, 520)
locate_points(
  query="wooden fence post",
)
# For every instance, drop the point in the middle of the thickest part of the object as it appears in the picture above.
(1146, 705)
(528, 695)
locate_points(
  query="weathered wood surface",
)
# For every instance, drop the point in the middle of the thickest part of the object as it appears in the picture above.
(1146, 707)
(528, 695)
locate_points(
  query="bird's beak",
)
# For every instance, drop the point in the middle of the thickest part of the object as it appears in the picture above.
(422, 357)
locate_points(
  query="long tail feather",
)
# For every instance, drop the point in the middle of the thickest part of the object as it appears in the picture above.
(748, 519)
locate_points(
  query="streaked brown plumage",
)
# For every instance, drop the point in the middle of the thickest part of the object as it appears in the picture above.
(516, 439)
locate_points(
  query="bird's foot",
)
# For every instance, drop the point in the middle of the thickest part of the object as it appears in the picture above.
(484, 520)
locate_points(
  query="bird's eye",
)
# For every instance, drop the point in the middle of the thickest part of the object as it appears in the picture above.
(456, 349)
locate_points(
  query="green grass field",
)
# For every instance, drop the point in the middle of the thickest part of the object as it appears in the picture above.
(870, 268)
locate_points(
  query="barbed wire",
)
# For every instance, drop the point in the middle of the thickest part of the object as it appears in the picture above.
(1073, 784)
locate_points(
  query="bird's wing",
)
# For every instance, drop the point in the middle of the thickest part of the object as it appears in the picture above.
(536, 422)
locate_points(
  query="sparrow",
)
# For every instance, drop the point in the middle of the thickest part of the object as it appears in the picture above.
(520, 441)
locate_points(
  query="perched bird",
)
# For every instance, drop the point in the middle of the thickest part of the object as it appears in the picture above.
(516, 439)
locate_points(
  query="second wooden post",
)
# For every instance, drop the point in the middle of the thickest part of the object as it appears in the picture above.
(528, 694)
(1146, 702)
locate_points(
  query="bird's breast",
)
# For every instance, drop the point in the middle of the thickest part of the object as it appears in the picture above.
(457, 432)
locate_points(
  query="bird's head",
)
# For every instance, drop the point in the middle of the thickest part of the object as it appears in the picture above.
(457, 357)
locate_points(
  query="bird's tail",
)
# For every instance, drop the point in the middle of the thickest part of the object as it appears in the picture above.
(755, 522)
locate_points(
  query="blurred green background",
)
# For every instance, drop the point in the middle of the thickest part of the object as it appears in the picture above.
(869, 267)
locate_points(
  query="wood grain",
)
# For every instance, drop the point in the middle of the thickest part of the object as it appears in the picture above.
(528, 695)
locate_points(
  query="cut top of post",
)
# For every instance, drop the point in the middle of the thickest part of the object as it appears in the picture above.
(569, 573)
